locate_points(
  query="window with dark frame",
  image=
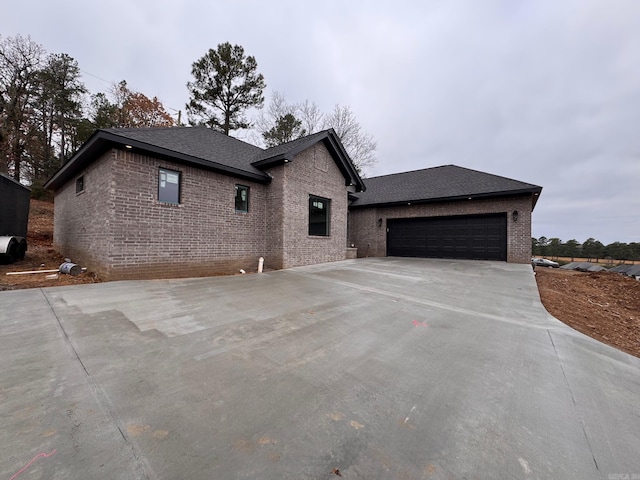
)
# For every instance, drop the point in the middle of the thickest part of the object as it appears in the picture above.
(169, 186)
(242, 198)
(80, 184)
(319, 215)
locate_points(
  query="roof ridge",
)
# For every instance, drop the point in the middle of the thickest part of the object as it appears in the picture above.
(412, 171)
(122, 132)
(454, 166)
(147, 128)
(306, 137)
(494, 175)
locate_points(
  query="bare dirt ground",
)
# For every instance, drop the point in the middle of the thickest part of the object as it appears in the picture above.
(605, 306)
(40, 255)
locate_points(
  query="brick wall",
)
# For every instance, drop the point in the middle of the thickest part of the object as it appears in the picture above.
(274, 225)
(312, 172)
(82, 221)
(371, 239)
(119, 229)
(203, 235)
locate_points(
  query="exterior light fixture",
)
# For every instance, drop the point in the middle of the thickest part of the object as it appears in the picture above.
(514, 215)
(379, 222)
(129, 147)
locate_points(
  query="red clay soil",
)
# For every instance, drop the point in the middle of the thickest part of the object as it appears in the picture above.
(603, 305)
(40, 255)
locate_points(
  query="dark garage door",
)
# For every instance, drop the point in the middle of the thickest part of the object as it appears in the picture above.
(479, 237)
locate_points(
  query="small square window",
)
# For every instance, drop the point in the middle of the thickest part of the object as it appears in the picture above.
(319, 215)
(242, 198)
(169, 186)
(80, 184)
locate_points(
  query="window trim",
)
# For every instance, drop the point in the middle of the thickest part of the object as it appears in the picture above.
(239, 188)
(164, 170)
(327, 222)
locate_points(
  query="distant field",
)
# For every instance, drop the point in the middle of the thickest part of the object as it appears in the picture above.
(601, 261)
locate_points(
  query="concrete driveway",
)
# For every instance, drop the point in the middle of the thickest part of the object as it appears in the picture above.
(375, 368)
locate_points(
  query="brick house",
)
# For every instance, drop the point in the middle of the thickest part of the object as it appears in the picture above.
(180, 201)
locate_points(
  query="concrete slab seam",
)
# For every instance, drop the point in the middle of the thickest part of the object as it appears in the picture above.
(573, 399)
(100, 396)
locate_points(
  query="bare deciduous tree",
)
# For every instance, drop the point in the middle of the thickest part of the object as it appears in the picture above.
(359, 145)
(20, 62)
(311, 116)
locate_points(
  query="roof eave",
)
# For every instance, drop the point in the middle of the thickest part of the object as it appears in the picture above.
(535, 195)
(534, 192)
(101, 141)
(95, 144)
(272, 161)
(350, 171)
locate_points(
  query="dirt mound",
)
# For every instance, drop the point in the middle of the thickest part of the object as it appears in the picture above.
(603, 305)
(40, 231)
(40, 255)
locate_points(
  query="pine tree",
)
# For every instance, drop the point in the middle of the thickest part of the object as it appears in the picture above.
(225, 85)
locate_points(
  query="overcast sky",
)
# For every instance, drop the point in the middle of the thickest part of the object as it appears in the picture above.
(542, 91)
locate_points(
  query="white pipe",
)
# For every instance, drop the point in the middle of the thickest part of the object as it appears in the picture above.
(33, 271)
(260, 264)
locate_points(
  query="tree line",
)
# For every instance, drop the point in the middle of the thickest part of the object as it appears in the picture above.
(47, 113)
(591, 249)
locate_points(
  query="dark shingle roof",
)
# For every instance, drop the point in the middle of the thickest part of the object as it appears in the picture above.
(448, 182)
(205, 148)
(197, 142)
(285, 148)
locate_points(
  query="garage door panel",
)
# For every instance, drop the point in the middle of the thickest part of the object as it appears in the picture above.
(481, 237)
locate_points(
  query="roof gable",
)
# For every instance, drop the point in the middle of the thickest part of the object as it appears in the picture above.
(445, 183)
(286, 152)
